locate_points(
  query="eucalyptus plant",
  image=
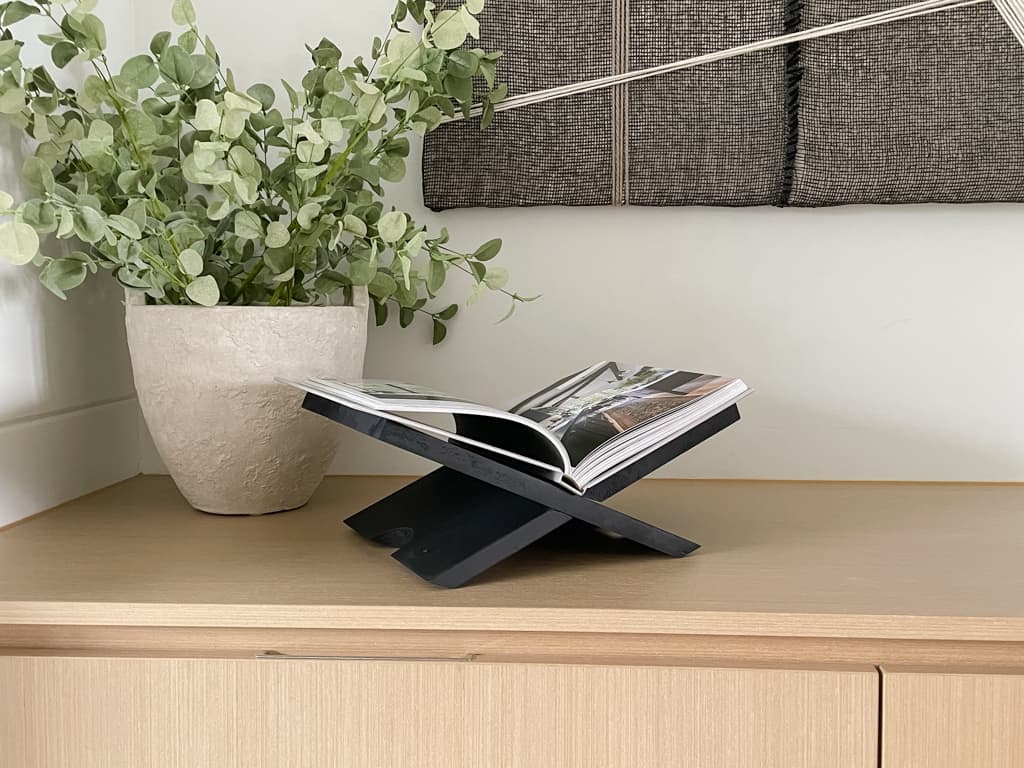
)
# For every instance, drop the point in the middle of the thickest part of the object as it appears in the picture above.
(197, 190)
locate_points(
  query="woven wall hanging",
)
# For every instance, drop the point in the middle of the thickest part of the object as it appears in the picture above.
(924, 106)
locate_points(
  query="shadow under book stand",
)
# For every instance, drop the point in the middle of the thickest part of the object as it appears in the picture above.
(455, 523)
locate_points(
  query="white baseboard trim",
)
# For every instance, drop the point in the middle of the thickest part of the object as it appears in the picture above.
(52, 459)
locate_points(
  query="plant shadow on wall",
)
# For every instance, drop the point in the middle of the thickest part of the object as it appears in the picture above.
(236, 220)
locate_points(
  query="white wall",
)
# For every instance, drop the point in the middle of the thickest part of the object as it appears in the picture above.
(884, 343)
(68, 417)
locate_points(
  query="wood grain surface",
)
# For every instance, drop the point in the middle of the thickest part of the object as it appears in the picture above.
(952, 719)
(127, 713)
(825, 560)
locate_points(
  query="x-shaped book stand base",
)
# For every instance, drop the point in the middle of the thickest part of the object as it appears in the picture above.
(453, 524)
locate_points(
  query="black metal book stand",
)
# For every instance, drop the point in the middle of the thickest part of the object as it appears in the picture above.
(473, 512)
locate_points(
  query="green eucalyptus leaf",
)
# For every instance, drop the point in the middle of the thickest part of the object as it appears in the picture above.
(12, 101)
(489, 71)
(183, 13)
(479, 271)
(371, 107)
(280, 260)
(188, 40)
(94, 32)
(10, 50)
(487, 116)
(237, 101)
(354, 224)
(310, 172)
(38, 174)
(40, 215)
(383, 285)
(125, 226)
(392, 226)
(90, 225)
(436, 276)
(488, 250)
(136, 211)
(63, 275)
(204, 291)
(243, 161)
(205, 176)
(66, 227)
(330, 281)
(141, 71)
(460, 88)
(471, 22)
(307, 214)
(449, 312)
(233, 123)
(285, 277)
(277, 235)
(264, 94)
(205, 71)
(449, 30)
(496, 278)
(190, 262)
(63, 53)
(207, 116)
(176, 65)
(440, 332)
(219, 209)
(16, 11)
(392, 168)
(248, 225)
(362, 272)
(19, 243)
(6, 201)
(246, 188)
(463, 64)
(94, 92)
(159, 43)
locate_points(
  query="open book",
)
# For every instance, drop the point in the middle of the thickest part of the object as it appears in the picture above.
(577, 432)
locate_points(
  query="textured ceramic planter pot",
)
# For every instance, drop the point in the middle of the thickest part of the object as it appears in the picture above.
(235, 441)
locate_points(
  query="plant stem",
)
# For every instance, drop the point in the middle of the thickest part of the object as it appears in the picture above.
(107, 84)
(253, 274)
(464, 268)
(337, 165)
(158, 263)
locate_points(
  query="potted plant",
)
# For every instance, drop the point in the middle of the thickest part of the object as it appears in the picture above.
(237, 221)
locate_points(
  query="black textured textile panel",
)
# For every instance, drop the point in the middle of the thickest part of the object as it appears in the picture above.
(559, 153)
(710, 136)
(715, 134)
(929, 109)
(924, 110)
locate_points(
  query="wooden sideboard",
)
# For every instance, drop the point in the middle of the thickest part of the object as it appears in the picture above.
(824, 625)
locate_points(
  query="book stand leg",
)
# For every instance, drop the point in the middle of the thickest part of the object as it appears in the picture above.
(474, 512)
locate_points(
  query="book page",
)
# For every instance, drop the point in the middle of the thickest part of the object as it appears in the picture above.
(479, 425)
(607, 401)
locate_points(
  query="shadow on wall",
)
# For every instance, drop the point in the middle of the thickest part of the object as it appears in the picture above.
(65, 428)
(59, 356)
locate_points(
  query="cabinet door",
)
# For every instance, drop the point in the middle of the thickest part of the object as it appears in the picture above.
(952, 720)
(193, 713)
